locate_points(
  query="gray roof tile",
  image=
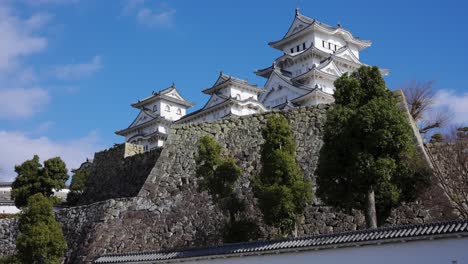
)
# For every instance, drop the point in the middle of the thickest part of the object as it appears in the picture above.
(369, 236)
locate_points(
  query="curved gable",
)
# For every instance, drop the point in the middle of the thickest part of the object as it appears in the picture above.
(347, 54)
(330, 68)
(141, 118)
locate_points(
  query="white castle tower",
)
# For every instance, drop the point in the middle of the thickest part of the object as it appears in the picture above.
(314, 56)
(229, 96)
(157, 112)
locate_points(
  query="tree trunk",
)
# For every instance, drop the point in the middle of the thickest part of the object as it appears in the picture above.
(296, 227)
(371, 215)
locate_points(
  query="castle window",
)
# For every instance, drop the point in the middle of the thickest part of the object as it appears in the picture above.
(155, 108)
(292, 50)
(323, 43)
(297, 48)
(329, 45)
(168, 108)
(303, 46)
(238, 96)
(179, 112)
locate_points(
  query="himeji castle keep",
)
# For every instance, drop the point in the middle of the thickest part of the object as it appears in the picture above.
(314, 56)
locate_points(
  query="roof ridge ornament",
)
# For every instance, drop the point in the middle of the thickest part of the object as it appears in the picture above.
(297, 11)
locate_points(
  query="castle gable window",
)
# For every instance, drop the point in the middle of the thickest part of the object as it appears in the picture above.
(155, 108)
(179, 112)
(168, 108)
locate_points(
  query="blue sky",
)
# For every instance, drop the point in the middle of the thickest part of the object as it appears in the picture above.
(69, 69)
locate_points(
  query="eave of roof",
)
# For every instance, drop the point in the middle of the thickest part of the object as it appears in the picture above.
(149, 122)
(397, 234)
(162, 94)
(315, 91)
(224, 79)
(218, 105)
(314, 24)
(266, 72)
(290, 81)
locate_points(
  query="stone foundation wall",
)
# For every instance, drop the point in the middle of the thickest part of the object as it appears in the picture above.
(118, 172)
(169, 211)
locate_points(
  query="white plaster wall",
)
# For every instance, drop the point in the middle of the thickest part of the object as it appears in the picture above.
(8, 209)
(307, 39)
(319, 37)
(447, 251)
(242, 93)
(162, 129)
(5, 190)
(354, 50)
(170, 111)
(279, 96)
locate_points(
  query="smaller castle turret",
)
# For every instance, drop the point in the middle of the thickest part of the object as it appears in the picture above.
(157, 112)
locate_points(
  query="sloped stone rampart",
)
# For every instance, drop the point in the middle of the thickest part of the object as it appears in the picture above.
(118, 172)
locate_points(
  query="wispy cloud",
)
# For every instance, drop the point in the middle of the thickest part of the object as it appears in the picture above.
(156, 19)
(19, 37)
(79, 70)
(19, 147)
(50, 2)
(161, 17)
(456, 103)
(22, 102)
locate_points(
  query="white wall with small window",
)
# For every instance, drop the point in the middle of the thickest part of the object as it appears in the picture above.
(328, 43)
(242, 94)
(171, 111)
(299, 44)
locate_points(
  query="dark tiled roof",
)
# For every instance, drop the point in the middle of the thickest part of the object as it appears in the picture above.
(395, 234)
(6, 184)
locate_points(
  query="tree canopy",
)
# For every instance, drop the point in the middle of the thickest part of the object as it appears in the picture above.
(77, 185)
(34, 178)
(368, 160)
(40, 238)
(281, 188)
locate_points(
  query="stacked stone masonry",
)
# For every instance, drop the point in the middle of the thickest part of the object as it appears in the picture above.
(118, 172)
(8, 232)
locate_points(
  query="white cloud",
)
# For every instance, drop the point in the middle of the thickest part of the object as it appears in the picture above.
(163, 17)
(456, 103)
(18, 147)
(131, 5)
(50, 2)
(18, 37)
(154, 19)
(22, 102)
(77, 71)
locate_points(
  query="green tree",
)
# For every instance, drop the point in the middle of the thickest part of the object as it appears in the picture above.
(281, 188)
(34, 178)
(437, 138)
(77, 185)
(40, 238)
(368, 161)
(218, 176)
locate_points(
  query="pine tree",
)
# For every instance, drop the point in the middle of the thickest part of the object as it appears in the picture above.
(40, 238)
(368, 161)
(281, 188)
(77, 185)
(34, 178)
